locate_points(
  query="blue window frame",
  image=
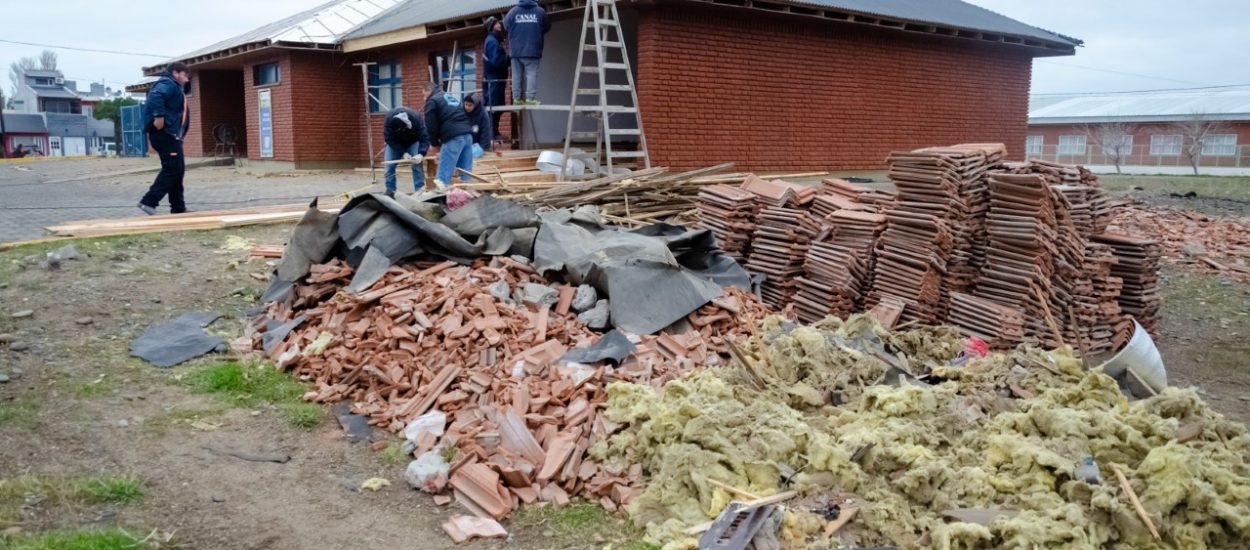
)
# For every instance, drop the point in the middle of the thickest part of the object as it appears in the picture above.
(385, 87)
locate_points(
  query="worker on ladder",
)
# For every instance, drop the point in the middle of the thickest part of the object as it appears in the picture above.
(526, 24)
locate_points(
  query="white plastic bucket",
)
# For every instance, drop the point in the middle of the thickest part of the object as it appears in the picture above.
(1142, 357)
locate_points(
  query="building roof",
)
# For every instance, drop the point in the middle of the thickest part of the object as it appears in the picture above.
(1231, 103)
(950, 13)
(323, 25)
(24, 123)
(42, 72)
(54, 92)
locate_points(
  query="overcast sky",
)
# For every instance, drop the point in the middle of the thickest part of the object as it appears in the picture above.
(1129, 45)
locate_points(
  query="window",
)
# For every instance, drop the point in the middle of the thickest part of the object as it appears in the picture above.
(385, 87)
(43, 82)
(460, 79)
(1220, 145)
(1165, 145)
(1118, 146)
(266, 74)
(57, 106)
(1071, 145)
(1033, 145)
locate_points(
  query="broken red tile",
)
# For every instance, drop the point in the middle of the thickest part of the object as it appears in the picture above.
(465, 528)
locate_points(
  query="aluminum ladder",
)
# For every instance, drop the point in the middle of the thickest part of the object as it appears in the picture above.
(606, 42)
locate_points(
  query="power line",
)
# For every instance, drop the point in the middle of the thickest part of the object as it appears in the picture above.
(1144, 91)
(93, 50)
(1122, 73)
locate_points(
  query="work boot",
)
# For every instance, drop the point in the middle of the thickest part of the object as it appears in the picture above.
(147, 209)
(390, 193)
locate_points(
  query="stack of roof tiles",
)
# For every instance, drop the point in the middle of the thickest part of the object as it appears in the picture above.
(877, 199)
(1106, 315)
(916, 246)
(1018, 269)
(778, 250)
(839, 265)
(729, 212)
(1138, 267)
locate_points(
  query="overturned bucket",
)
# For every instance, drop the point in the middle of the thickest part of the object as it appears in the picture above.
(1140, 357)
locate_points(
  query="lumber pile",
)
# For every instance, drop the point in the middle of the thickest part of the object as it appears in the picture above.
(208, 219)
(438, 338)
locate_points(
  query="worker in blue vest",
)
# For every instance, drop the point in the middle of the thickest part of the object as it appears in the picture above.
(526, 24)
(495, 77)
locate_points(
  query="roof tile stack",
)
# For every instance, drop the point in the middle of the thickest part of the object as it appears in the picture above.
(1138, 267)
(778, 249)
(998, 325)
(1020, 251)
(838, 269)
(1105, 313)
(729, 212)
(878, 199)
(914, 250)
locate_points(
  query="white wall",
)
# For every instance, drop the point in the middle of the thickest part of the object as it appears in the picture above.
(555, 80)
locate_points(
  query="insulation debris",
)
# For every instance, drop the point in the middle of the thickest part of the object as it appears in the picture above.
(1004, 432)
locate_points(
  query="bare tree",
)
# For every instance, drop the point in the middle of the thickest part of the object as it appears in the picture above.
(47, 60)
(1194, 131)
(16, 69)
(1110, 137)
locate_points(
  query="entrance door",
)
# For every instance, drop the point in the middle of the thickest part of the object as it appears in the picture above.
(75, 147)
(54, 146)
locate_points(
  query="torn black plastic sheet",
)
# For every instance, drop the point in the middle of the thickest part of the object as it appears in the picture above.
(312, 242)
(177, 341)
(613, 346)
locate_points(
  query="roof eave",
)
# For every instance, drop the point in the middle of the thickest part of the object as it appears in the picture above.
(1056, 121)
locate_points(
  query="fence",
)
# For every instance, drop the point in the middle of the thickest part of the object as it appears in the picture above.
(134, 140)
(1140, 156)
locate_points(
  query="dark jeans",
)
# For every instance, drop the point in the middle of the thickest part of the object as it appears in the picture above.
(169, 180)
(495, 96)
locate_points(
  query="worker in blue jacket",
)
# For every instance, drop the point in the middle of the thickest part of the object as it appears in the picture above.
(166, 117)
(495, 77)
(526, 24)
(451, 130)
(482, 135)
(404, 133)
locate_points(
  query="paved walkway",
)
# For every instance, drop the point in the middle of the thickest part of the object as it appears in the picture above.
(31, 198)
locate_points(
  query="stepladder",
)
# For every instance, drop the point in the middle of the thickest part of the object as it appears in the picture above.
(604, 98)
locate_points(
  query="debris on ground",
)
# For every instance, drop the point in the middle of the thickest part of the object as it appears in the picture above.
(374, 484)
(178, 341)
(466, 528)
(1003, 432)
(1198, 241)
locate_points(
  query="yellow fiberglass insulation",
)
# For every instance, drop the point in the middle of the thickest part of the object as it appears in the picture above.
(1002, 432)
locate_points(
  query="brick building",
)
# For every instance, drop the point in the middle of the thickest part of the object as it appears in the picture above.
(785, 84)
(1146, 132)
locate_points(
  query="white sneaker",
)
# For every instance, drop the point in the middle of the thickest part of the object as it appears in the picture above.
(147, 209)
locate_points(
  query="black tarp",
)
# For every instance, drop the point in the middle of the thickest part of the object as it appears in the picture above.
(177, 341)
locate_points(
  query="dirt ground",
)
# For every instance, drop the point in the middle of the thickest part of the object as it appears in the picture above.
(76, 404)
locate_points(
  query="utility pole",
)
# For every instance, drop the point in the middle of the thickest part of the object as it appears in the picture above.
(4, 149)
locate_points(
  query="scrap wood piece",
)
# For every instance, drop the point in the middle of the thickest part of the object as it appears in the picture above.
(746, 506)
(844, 518)
(1132, 498)
(277, 458)
(466, 528)
(1190, 431)
(733, 489)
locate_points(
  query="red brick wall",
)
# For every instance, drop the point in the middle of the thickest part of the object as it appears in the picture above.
(780, 93)
(327, 106)
(280, 97)
(1140, 156)
(216, 97)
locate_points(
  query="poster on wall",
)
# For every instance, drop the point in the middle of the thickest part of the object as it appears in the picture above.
(266, 124)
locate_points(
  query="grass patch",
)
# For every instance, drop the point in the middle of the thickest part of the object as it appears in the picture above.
(53, 491)
(19, 413)
(583, 524)
(86, 539)
(393, 454)
(1220, 187)
(252, 384)
(303, 415)
(95, 388)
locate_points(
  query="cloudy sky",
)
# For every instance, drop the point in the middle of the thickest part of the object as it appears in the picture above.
(1136, 45)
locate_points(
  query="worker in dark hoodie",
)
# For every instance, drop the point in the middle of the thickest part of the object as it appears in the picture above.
(451, 130)
(495, 78)
(526, 24)
(481, 123)
(166, 118)
(404, 134)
